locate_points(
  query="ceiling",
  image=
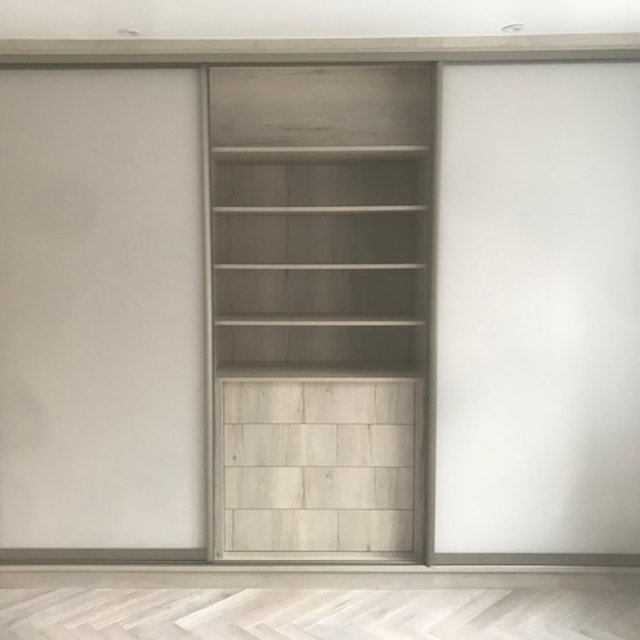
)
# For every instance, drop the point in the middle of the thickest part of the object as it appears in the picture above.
(177, 19)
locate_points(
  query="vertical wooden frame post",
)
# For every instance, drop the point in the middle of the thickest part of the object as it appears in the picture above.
(210, 399)
(431, 297)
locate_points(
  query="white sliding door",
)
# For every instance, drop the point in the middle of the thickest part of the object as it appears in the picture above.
(538, 402)
(101, 310)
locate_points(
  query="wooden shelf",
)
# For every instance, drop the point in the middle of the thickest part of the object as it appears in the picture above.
(316, 370)
(317, 320)
(323, 266)
(274, 154)
(320, 210)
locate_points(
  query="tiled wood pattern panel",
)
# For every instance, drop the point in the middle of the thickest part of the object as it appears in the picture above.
(319, 467)
(273, 530)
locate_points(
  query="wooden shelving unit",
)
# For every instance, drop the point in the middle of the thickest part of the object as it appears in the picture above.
(320, 246)
(326, 245)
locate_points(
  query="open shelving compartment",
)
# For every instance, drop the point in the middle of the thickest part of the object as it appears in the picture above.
(357, 267)
(320, 218)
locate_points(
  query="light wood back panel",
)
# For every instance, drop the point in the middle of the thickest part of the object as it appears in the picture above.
(362, 182)
(319, 105)
(317, 344)
(352, 292)
(332, 239)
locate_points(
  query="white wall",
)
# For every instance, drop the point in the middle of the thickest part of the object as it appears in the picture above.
(101, 313)
(98, 19)
(538, 431)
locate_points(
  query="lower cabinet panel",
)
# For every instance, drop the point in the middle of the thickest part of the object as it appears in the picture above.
(320, 470)
(370, 530)
(282, 530)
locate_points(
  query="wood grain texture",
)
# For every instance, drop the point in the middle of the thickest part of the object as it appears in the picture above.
(294, 153)
(251, 239)
(379, 403)
(247, 105)
(395, 403)
(311, 614)
(318, 488)
(373, 530)
(283, 530)
(330, 238)
(375, 445)
(358, 488)
(343, 403)
(394, 488)
(264, 488)
(306, 273)
(317, 291)
(380, 182)
(319, 445)
(393, 346)
(287, 484)
(262, 402)
(344, 488)
(320, 403)
(281, 445)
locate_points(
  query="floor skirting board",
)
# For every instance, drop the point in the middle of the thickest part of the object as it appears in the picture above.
(109, 556)
(539, 559)
(318, 577)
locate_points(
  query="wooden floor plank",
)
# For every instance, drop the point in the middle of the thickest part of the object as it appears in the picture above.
(286, 614)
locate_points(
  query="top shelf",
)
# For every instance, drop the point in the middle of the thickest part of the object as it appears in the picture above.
(319, 210)
(268, 154)
(316, 371)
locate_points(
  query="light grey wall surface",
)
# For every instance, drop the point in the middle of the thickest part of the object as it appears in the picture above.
(101, 309)
(538, 402)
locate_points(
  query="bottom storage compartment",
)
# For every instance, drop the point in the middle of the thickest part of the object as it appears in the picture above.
(322, 470)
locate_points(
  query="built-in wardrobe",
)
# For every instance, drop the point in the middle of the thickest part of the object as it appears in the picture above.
(320, 203)
(379, 313)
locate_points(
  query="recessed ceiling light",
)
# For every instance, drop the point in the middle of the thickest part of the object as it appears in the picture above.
(516, 27)
(129, 33)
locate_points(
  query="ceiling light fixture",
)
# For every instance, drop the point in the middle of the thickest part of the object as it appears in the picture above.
(129, 33)
(516, 27)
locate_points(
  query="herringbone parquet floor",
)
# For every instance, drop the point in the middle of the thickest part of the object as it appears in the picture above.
(256, 614)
